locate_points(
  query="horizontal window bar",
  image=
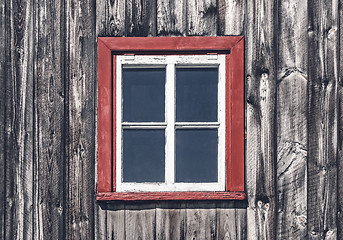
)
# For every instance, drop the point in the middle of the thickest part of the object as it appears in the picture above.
(144, 124)
(197, 126)
(197, 123)
(144, 127)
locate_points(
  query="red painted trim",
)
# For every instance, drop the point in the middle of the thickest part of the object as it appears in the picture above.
(234, 109)
(228, 80)
(144, 196)
(104, 118)
(237, 117)
(170, 43)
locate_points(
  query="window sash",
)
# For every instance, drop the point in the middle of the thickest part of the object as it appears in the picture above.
(171, 62)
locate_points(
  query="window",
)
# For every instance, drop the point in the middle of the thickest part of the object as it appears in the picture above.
(170, 118)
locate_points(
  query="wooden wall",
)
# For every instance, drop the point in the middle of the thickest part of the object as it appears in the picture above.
(294, 119)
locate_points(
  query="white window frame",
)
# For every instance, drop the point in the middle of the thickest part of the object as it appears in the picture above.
(171, 62)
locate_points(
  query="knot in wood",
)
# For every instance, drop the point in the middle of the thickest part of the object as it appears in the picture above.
(264, 75)
(332, 33)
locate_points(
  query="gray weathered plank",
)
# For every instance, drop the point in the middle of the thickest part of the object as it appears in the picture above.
(201, 220)
(340, 133)
(231, 220)
(80, 92)
(140, 18)
(170, 220)
(292, 108)
(202, 17)
(50, 127)
(322, 127)
(110, 18)
(261, 86)
(3, 50)
(171, 18)
(19, 120)
(115, 221)
(231, 17)
(100, 221)
(140, 221)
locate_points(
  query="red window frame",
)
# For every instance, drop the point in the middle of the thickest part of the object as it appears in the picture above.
(109, 48)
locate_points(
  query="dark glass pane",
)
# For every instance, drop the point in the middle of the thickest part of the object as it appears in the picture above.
(143, 94)
(196, 155)
(196, 94)
(143, 155)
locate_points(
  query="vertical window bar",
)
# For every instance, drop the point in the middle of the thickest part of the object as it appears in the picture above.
(170, 118)
(119, 130)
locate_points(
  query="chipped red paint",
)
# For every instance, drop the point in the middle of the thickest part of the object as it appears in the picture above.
(143, 196)
(234, 110)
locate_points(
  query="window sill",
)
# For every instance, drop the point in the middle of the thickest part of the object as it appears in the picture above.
(146, 196)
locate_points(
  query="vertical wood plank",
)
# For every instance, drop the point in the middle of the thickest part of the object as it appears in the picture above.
(50, 127)
(340, 129)
(292, 120)
(115, 221)
(80, 87)
(171, 18)
(260, 156)
(201, 220)
(202, 17)
(19, 119)
(322, 126)
(100, 222)
(170, 220)
(140, 18)
(110, 18)
(231, 17)
(140, 221)
(231, 221)
(3, 50)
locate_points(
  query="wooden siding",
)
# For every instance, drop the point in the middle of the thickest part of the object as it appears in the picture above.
(294, 119)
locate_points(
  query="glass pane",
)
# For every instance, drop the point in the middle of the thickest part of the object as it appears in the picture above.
(196, 155)
(143, 94)
(143, 155)
(196, 94)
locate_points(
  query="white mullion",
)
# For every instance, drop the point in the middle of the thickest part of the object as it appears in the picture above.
(144, 127)
(144, 124)
(170, 119)
(118, 145)
(197, 124)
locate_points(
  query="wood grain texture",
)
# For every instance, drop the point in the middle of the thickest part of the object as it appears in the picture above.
(19, 120)
(340, 130)
(201, 220)
(170, 220)
(202, 17)
(261, 92)
(140, 221)
(322, 126)
(231, 220)
(292, 110)
(3, 83)
(231, 17)
(162, 196)
(116, 221)
(140, 18)
(171, 18)
(100, 221)
(50, 128)
(80, 92)
(110, 18)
